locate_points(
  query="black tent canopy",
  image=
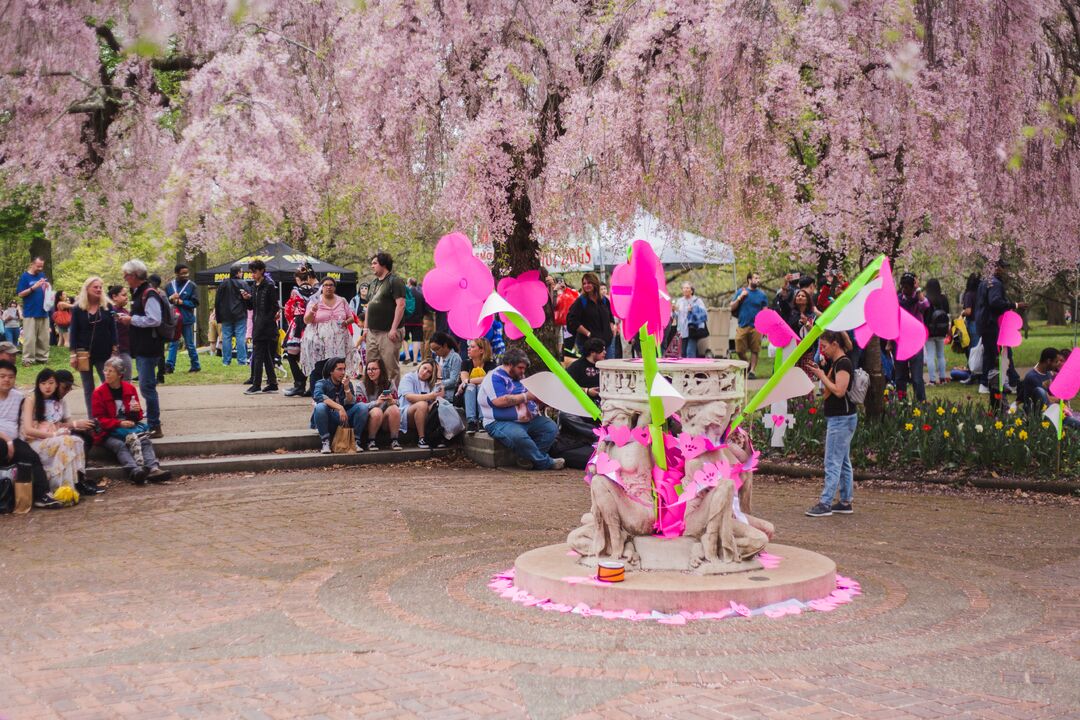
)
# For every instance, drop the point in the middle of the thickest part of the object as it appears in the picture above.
(281, 262)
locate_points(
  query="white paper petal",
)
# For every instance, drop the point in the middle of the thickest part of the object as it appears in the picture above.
(549, 388)
(1053, 414)
(669, 396)
(795, 383)
(496, 303)
(854, 313)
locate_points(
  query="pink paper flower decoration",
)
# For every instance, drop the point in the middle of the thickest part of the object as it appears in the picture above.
(1009, 325)
(1067, 382)
(886, 319)
(638, 291)
(459, 284)
(528, 293)
(769, 323)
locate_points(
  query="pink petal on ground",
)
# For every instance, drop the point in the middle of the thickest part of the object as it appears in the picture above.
(740, 609)
(672, 620)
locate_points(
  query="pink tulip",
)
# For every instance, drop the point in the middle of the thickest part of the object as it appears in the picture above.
(639, 290)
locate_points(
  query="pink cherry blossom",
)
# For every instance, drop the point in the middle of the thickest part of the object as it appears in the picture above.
(528, 294)
(459, 284)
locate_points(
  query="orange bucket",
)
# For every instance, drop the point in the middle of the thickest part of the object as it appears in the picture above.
(609, 571)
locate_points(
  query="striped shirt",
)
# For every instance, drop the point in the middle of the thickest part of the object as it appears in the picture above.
(9, 414)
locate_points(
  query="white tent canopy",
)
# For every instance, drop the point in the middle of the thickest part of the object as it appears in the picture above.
(675, 249)
(605, 247)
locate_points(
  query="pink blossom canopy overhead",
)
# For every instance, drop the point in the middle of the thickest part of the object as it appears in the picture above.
(846, 127)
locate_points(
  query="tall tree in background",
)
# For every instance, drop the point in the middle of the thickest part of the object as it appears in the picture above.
(835, 127)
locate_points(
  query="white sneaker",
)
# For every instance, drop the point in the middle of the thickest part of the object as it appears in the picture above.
(325, 450)
(359, 447)
(983, 390)
(558, 463)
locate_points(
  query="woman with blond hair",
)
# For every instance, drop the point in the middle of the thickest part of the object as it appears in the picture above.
(473, 371)
(93, 335)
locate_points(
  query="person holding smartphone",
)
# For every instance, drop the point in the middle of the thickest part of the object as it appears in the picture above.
(381, 396)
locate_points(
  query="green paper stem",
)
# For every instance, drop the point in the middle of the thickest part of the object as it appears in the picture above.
(649, 357)
(553, 365)
(822, 324)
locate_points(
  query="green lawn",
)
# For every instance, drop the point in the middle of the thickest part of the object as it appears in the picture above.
(212, 373)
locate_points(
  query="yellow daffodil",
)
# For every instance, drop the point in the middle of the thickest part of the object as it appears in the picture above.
(1045, 424)
(940, 410)
(909, 426)
(998, 425)
(1019, 422)
(1023, 435)
(1009, 432)
(954, 410)
(916, 412)
(946, 433)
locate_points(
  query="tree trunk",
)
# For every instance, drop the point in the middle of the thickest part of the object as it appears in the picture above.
(875, 395)
(1055, 312)
(41, 246)
(202, 313)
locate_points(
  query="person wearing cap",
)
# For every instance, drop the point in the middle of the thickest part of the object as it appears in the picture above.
(8, 351)
(230, 311)
(912, 299)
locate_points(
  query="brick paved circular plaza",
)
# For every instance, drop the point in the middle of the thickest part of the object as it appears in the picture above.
(363, 592)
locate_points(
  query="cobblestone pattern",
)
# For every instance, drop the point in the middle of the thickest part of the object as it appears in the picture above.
(363, 594)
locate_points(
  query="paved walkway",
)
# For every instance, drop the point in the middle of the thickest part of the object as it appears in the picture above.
(362, 593)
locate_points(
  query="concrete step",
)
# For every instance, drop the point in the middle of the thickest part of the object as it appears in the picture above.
(486, 451)
(247, 443)
(261, 462)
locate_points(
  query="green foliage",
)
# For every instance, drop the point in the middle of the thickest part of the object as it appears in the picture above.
(938, 435)
(102, 256)
(19, 228)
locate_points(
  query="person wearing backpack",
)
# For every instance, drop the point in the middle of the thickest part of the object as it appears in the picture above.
(938, 321)
(184, 297)
(841, 418)
(151, 322)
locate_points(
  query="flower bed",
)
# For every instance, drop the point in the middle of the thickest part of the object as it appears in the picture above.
(946, 436)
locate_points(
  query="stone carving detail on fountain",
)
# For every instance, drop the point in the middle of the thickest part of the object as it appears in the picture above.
(720, 535)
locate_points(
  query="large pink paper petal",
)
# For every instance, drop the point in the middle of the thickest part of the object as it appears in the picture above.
(1009, 325)
(528, 294)
(1067, 382)
(769, 323)
(638, 291)
(912, 336)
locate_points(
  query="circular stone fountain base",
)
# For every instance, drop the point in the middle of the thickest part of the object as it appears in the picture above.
(554, 572)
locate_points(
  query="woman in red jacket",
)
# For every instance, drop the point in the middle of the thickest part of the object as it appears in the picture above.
(115, 406)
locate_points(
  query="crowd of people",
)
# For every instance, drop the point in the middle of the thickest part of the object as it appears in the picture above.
(346, 354)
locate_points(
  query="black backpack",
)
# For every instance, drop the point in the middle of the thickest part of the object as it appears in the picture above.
(938, 324)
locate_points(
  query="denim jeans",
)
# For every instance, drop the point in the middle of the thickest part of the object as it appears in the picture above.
(472, 408)
(188, 332)
(147, 369)
(935, 359)
(911, 369)
(689, 347)
(529, 440)
(838, 474)
(12, 335)
(87, 380)
(326, 420)
(119, 448)
(229, 330)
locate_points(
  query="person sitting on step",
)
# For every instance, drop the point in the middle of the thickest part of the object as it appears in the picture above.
(512, 417)
(336, 405)
(381, 396)
(420, 389)
(121, 427)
